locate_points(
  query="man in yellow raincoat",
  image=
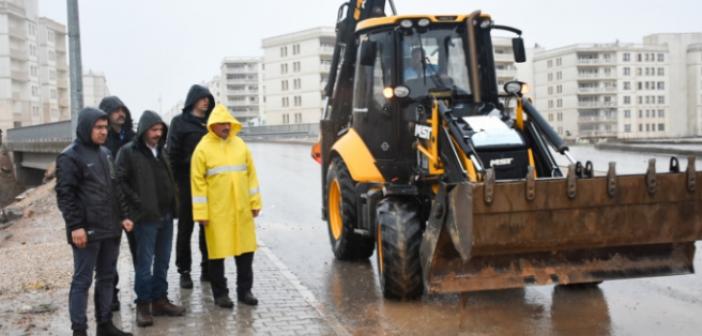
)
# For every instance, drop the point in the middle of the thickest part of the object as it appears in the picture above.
(226, 199)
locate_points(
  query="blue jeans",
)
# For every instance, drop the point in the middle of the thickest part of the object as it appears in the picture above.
(99, 257)
(154, 240)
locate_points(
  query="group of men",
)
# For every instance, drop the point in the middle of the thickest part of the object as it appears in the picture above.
(112, 179)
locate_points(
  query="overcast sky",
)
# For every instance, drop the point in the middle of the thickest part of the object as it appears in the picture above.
(152, 51)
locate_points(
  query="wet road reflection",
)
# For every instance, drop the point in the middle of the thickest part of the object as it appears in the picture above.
(291, 227)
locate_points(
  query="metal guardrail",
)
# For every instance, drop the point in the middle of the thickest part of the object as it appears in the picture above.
(282, 131)
(52, 132)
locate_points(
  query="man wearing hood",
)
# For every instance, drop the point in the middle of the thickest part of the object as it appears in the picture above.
(185, 133)
(146, 179)
(89, 200)
(119, 133)
(226, 199)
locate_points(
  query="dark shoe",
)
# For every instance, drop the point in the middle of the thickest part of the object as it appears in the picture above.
(248, 299)
(224, 302)
(109, 329)
(185, 281)
(162, 307)
(115, 304)
(204, 277)
(80, 333)
(143, 315)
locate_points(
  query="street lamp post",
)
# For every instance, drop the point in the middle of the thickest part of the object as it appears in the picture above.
(76, 68)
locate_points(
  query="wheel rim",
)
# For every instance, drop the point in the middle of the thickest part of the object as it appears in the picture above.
(335, 218)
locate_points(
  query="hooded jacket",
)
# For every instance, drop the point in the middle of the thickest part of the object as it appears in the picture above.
(85, 187)
(115, 140)
(225, 189)
(135, 174)
(185, 133)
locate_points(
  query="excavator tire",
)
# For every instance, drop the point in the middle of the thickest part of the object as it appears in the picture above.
(342, 215)
(398, 237)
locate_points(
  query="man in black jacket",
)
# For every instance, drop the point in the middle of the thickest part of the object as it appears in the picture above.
(146, 179)
(120, 133)
(185, 133)
(89, 201)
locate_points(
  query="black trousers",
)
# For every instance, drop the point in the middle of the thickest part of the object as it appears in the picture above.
(184, 258)
(244, 275)
(132, 250)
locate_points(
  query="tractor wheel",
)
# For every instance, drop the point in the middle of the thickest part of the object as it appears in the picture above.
(398, 237)
(341, 215)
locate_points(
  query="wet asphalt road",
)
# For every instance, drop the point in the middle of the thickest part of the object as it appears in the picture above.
(292, 228)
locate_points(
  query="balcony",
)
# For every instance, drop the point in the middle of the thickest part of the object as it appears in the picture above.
(12, 9)
(506, 73)
(597, 120)
(597, 75)
(504, 58)
(20, 76)
(326, 50)
(324, 67)
(19, 54)
(596, 104)
(596, 61)
(597, 90)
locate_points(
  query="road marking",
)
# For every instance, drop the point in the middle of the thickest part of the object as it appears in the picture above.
(334, 323)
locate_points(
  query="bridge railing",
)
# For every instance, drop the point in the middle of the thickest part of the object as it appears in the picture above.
(310, 130)
(44, 138)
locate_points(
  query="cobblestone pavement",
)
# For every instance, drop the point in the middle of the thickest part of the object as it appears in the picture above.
(285, 307)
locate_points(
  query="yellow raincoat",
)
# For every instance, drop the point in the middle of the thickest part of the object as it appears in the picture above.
(225, 189)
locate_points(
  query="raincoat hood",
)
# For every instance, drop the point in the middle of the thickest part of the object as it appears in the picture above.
(110, 104)
(196, 93)
(86, 120)
(221, 115)
(147, 120)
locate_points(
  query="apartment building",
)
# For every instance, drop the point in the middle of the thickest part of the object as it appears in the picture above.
(33, 66)
(621, 90)
(94, 88)
(238, 88)
(294, 72)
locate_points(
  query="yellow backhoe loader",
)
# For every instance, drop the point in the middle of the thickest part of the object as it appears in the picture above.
(454, 182)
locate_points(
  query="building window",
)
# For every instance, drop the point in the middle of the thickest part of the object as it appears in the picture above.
(660, 85)
(284, 85)
(558, 61)
(550, 77)
(639, 100)
(296, 66)
(627, 71)
(640, 114)
(661, 99)
(559, 75)
(296, 49)
(35, 91)
(627, 57)
(285, 102)
(283, 51)
(627, 114)
(550, 117)
(559, 116)
(648, 127)
(639, 72)
(550, 90)
(284, 68)
(298, 101)
(638, 57)
(661, 57)
(661, 113)
(549, 63)
(627, 100)
(297, 84)
(627, 128)
(286, 118)
(661, 127)
(559, 103)
(559, 89)
(661, 71)
(550, 104)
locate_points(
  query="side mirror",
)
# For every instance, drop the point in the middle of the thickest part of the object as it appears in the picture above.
(519, 51)
(367, 53)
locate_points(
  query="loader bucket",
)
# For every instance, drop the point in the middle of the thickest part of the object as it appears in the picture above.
(509, 234)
